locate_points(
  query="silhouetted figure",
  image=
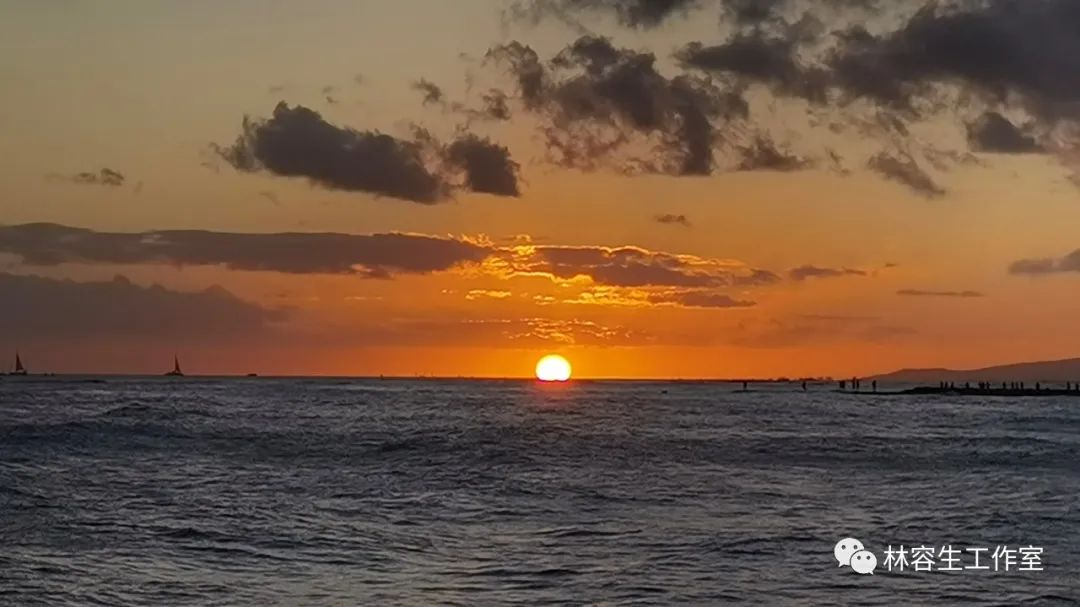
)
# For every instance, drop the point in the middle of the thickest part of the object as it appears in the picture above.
(744, 387)
(873, 385)
(1021, 385)
(1038, 386)
(804, 386)
(843, 385)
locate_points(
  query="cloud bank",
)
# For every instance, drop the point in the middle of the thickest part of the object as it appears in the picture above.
(992, 69)
(1047, 265)
(371, 256)
(44, 308)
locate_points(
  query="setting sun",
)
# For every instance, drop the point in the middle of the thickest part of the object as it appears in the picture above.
(553, 368)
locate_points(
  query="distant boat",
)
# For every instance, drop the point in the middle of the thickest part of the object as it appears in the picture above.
(19, 368)
(176, 372)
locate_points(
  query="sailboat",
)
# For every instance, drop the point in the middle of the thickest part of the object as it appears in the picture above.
(176, 372)
(19, 368)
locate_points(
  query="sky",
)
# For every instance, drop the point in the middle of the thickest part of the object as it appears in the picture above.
(651, 188)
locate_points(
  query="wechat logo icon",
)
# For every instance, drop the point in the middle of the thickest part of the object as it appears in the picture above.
(850, 552)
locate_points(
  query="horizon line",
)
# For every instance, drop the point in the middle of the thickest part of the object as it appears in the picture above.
(430, 377)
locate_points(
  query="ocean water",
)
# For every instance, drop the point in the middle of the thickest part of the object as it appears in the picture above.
(157, 491)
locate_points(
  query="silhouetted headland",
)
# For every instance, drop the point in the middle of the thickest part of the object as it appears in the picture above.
(1047, 372)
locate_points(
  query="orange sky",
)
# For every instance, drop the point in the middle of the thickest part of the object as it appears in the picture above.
(834, 263)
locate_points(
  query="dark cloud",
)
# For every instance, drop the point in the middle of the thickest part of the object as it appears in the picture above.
(496, 105)
(430, 92)
(525, 65)
(904, 169)
(756, 57)
(701, 299)
(488, 167)
(631, 267)
(373, 255)
(1036, 267)
(995, 133)
(922, 293)
(669, 219)
(756, 278)
(595, 99)
(763, 155)
(994, 48)
(806, 272)
(751, 12)
(870, 67)
(623, 267)
(298, 142)
(632, 13)
(106, 177)
(42, 308)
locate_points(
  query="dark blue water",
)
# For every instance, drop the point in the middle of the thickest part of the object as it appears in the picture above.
(330, 492)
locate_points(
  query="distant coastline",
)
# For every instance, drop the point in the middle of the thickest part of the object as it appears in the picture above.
(1054, 371)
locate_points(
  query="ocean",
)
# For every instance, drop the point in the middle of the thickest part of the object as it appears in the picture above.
(262, 491)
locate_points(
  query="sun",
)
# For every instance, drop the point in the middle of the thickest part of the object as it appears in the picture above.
(553, 368)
